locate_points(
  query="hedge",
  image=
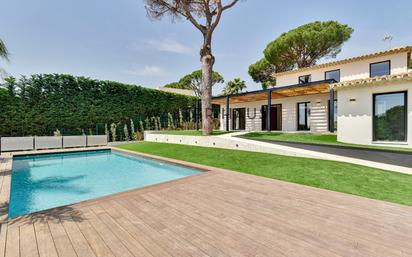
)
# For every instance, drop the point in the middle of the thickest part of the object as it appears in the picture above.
(39, 104)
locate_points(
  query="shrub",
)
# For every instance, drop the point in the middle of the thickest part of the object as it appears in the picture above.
(132, 129)
(141, 126)
(138, 136)
(113, 128)
(57, 133)
(126, 133)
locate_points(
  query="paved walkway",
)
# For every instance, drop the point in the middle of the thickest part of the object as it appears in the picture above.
(350, 156)
(375, 155)
(217, 213)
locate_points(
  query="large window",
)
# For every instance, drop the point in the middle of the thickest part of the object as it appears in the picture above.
(333, 74)
(304, 116)
(380, 69)
(389, 117)
(304, 79)
(410, 61)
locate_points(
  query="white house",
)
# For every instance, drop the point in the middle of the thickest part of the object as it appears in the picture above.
(365, 100)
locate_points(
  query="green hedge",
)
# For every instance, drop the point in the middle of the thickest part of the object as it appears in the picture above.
(39, 104)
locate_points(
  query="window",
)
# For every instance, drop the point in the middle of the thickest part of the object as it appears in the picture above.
(304, 79)
(389, 117)
(304, 116)
(380, 69)
(333, 74)
(410, 61)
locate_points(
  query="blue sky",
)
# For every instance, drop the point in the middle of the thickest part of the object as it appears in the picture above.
(114, 40)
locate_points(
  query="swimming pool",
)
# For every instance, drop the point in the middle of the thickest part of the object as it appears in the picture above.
(41, 182)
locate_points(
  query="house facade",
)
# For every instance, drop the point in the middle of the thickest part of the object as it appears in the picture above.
(365, 100)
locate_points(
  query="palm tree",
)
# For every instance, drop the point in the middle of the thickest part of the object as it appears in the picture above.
(234, 87)
(4, 53)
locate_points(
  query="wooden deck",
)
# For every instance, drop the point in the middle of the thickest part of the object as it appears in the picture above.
(217, 213)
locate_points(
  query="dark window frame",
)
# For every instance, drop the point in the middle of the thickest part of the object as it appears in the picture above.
(307, 126)
(405, 92)
(370, 68)
(308, 75)
(332, 71)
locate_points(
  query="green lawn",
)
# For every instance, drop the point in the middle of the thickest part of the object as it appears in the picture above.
(328, 139)
(337, 176)
(192, 132)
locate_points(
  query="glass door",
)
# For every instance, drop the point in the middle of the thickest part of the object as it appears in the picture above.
(239, 119)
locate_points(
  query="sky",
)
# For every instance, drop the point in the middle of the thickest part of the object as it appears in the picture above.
(115, 40)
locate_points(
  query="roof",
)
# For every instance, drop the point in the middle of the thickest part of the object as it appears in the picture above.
(316, 87)
(348, 60)
(180, 91)
(375, 80)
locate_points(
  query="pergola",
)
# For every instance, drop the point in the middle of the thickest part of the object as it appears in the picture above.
(311, 88)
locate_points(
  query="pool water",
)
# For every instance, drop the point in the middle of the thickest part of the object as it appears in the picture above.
(41, 182)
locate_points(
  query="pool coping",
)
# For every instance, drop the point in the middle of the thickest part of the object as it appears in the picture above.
(6, 160)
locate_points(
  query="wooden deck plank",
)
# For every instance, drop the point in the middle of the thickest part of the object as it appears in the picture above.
(146, 241)
(133, 245)
(13, 242)
(45, 242)
(93, 238)
(114, 244)
(28, 242)
(168, 244)
(3, 238)
(61, 240)
(79, 242)
(180, 231)
(177, 224)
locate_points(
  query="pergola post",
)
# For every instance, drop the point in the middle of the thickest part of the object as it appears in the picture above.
(331, 110)
(227, 112)
(268, 109)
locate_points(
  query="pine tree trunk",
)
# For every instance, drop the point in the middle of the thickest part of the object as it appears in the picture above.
(207, 61)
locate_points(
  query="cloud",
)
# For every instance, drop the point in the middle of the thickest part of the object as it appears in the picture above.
(147, 70)
(170, 46)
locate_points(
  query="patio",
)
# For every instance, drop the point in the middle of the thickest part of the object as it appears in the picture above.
(217, 213)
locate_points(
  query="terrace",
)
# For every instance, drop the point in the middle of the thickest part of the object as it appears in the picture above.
(216, 213)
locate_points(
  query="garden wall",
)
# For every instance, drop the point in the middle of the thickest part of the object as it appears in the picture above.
(8, 144)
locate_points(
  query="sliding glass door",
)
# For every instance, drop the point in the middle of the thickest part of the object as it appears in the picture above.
(389, 116)
(303, 116)
(239, 119)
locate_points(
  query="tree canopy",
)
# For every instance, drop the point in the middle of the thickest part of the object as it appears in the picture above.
(234, 87)
(261, 72)
(305, 45)
(193, 81)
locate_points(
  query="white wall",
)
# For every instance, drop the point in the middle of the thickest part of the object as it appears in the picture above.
(355, 117)
(319, 113)
(350, 71)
